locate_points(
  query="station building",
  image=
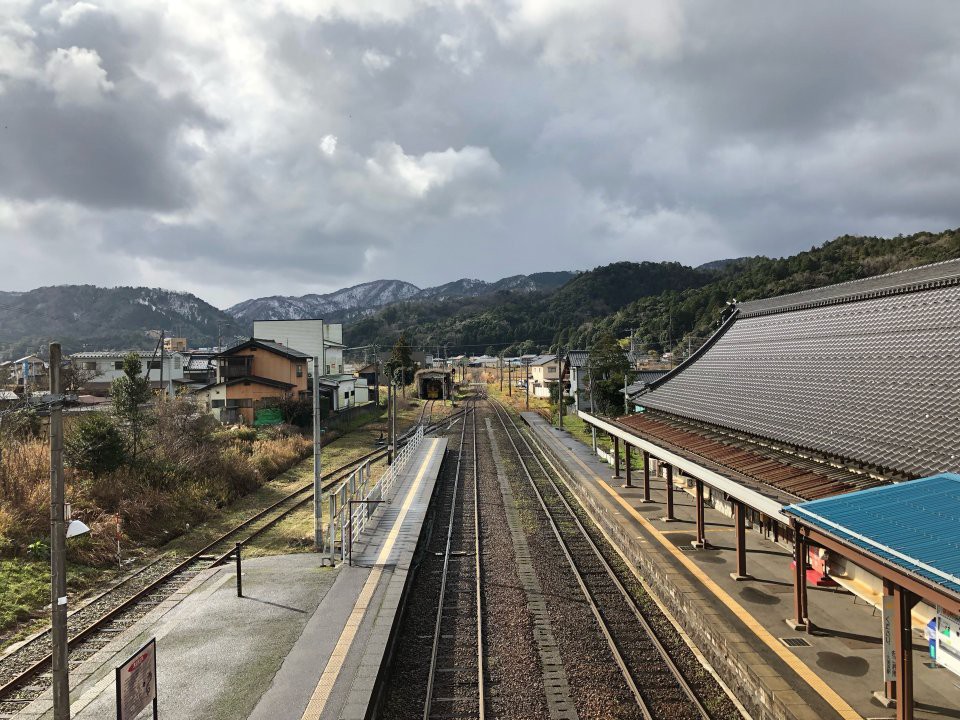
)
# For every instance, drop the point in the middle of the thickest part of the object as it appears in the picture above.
(826, 420)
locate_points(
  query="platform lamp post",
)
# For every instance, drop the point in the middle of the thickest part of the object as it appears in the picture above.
(59, 532)
(317, 486)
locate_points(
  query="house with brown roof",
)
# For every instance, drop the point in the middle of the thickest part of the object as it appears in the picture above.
(251, 376)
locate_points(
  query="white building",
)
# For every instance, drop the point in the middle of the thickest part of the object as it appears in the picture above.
(107, 366)
(344, 391)
(316, 338)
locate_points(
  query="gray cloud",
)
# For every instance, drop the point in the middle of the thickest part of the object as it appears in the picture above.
(255, 148)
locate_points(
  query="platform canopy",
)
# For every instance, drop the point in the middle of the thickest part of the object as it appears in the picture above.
(910, 527)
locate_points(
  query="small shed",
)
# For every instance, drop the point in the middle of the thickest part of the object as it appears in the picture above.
(434, 384)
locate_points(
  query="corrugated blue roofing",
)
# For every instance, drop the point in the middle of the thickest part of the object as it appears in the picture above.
(914, 525)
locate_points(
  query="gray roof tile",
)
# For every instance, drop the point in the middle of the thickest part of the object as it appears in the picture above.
(874, 380)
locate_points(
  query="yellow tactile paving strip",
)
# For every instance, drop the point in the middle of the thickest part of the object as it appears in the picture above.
(798, 666)
(331, 671)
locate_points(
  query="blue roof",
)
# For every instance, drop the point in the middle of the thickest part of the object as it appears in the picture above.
(913, 525)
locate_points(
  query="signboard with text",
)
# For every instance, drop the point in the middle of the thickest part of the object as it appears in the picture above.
(889, 644)
(137, 683)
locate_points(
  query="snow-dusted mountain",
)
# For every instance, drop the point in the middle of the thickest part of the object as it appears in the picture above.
(95, 318)
(359, 300)
(331, 306)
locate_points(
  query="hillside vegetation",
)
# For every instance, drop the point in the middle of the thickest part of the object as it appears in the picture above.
(664, 303)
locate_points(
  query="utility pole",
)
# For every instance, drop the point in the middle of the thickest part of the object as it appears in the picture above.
(593, 409)
(501, 372)
(58, 547)
(317, 489)
(559, 389)
(393, 420)
(510, 379)
(626, 407)
(390, 421)
(526, 381)
(162, 349)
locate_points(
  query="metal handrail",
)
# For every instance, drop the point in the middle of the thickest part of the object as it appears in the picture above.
(349, 523)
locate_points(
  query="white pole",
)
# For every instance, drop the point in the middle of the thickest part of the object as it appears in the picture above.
(317, 487)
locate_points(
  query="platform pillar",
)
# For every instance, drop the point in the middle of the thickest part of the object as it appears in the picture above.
(701, 542)
(616, 457)
(670, 516)
(740, 522)
(629, 471)
(799, 620)
(903, 638)
(646, 477)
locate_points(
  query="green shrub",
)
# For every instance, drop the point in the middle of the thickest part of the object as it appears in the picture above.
(94, 444)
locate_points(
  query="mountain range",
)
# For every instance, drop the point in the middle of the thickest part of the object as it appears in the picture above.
(89, 317)
(662, 306)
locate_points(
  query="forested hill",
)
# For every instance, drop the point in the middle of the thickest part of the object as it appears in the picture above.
(665, 303)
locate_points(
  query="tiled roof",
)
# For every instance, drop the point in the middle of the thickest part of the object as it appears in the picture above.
(267, 345)
(777, 472)
(642, 378)
(543, 359)
(199, 363)
(578, 358)
(874, 380)
(913, 525)
(911, 280)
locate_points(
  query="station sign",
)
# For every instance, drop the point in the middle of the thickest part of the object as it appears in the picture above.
(137, 683)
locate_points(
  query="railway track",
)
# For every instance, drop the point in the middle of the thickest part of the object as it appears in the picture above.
(658, 686)
(455, 681)
(23, 671)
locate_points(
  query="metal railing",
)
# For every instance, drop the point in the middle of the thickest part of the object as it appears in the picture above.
(350, 503)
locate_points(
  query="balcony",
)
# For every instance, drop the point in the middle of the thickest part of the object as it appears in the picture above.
(237, 366)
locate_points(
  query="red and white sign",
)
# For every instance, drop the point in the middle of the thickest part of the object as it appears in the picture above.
(137, 683)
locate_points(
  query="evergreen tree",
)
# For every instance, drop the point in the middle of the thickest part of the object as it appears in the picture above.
(608, 365)
(130, 392)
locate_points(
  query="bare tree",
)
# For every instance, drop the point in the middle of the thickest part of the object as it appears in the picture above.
(73, 377)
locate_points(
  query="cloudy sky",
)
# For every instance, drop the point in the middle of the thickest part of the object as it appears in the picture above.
(236, 149)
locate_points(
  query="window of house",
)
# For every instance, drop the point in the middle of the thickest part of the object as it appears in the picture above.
(154, 365)
(218, 403)
(299, 370)
(118, 365)
(90, 366)
(177, 362)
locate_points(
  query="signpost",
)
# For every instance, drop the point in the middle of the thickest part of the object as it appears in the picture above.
(137, 683)
(887, 610)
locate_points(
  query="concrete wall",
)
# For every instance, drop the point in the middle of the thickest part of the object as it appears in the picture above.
(304, 335)
(277, 367)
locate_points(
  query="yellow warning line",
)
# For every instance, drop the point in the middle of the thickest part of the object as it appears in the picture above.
(331, 671)
(797, 665)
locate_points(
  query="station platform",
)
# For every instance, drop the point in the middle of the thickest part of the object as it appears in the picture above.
(833, 676)
(306, 642)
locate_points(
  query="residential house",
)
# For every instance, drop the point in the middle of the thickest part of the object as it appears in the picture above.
(576, 370)
(31, 372)
(314, 337)
(175, 344)
(254, 375)
(200, 368)
(543, 372)
(343, 391)
(105, 366)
